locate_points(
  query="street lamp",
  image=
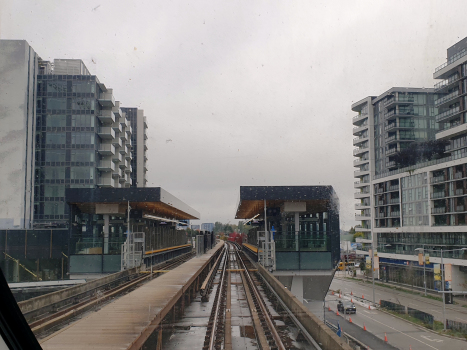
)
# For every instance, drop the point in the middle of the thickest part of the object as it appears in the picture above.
(442, 277)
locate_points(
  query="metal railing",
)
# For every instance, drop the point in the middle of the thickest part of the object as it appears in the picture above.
(448, 113)
(446, 98)
(453, 59)
(446, 82)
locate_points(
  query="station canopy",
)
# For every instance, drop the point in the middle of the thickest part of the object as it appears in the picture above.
(317, 198)
(150, 200)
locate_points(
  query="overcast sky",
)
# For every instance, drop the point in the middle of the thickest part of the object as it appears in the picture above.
(245, 92)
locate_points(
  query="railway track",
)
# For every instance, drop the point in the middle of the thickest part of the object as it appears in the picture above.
(218, 335)
(79, 304)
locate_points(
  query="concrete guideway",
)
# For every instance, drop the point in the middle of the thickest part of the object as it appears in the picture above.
(126, 322)
(400, 333)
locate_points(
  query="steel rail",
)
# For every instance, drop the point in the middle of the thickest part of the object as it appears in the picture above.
(216, 310)
(261, 304)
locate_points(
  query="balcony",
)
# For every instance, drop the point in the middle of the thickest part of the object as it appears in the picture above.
(358, 195)
(446, 98)
(459, 192)
(440, 194)
(363, 227)
(360, 139)
(458, 176)
(358, 173)
(106, 165)
(128, 156)
(446, 83)
(123, 149)
(129, 129)
(117, 111)
(391, 165)
(441, 210)
(360, 150)
(394, 188)
(395, 214)
(451, 60)
(123, 164)
(450, 130)
(117, 142)
(117, 128)
(394, 201)
(106, 133)
(145, 168)
(106, 116)
(117, 158)
(390, 114)
(106, 99)
(448, 114)
(117, 173)
(360, 161)
(460, 208)
(106, 182)
(391, 151)
(359, 206)
(128, 169)
(145, 123)
(360, 128)
(402, 99)
(359, 117)
(123, 136)
(437, 179)
(106, 149)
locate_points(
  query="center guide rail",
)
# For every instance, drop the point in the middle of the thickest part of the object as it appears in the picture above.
(265, 330)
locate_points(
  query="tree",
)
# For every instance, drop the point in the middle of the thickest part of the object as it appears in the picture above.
(228, 229)
(352, 231)
(218, 227)
(356, 235)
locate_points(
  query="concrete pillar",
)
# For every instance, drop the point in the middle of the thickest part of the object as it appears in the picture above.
(297, 228)
(297, 287)
(106, 233)
(16, 271)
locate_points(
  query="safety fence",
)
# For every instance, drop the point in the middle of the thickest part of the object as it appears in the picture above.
(457, 326)
(401, 309)
(422, 316)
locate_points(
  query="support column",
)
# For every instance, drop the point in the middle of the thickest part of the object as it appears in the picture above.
(106, 233)
(297, 287)
(297, 228)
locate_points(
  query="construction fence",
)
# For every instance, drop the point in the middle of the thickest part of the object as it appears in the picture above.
(457, 326)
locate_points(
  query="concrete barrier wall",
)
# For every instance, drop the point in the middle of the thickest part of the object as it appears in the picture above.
(55, 297)
(321, 333)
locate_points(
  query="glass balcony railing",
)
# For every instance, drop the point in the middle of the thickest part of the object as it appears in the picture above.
(451, 60)
(448, 113)
(447, 82)
(446, 98)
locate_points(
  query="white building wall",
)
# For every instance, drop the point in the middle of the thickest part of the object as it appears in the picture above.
(18, 72)
(140, 153)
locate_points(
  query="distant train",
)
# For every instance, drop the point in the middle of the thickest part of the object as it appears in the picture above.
(237, 237)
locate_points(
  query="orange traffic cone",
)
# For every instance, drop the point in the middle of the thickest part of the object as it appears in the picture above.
(351, 300)
(369, 307)
(363, 297)
(350, 319)
(351, 293)
(340, 295)
(332, 292)
(364, 327)
(385, 338)
(379, 301)
(410, 347)
(337, 313)
(329, 308)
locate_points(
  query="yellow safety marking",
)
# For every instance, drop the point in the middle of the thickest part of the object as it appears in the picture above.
(251, 247)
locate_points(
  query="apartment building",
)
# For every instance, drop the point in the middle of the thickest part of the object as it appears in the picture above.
(63, 129)
(413, 198)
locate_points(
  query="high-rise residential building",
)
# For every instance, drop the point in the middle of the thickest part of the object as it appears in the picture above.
(413, 198)
(62, 128)
(139, 138)
(18, 91)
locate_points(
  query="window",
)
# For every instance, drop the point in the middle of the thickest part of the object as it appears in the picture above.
(54, 191)
(84, 87)
(82, 173)
(80, 155)
(55, 155)
(54, 173)
(83, 104)
(58, 120)
(82, 138)
(56, 103)
(55, 138)
(84, 120)
(54, 208)
(56, 86)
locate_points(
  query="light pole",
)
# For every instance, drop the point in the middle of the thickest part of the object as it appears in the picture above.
(424, 265)
(373, 265)
(442, 278)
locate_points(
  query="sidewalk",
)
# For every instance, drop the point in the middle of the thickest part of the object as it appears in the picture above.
(406, 292)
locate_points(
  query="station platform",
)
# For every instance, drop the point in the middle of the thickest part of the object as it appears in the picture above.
(251, 247)
(120, 324)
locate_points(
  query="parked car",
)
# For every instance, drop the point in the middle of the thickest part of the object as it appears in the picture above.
(346, 307)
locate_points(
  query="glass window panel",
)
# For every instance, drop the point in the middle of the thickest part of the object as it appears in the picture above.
(82, 173)
(56, 103)
(82, 138)
(57, 120)
(82, 155)
(55, 138)
(54, 208)
(54, 191)
(54, 173)
(84, 87)
(82, 120)
(56, 86)
(55, 155)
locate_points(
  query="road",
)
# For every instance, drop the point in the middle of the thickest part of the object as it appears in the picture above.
(400, 333)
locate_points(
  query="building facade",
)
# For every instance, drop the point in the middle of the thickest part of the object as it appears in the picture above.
(415, 200)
